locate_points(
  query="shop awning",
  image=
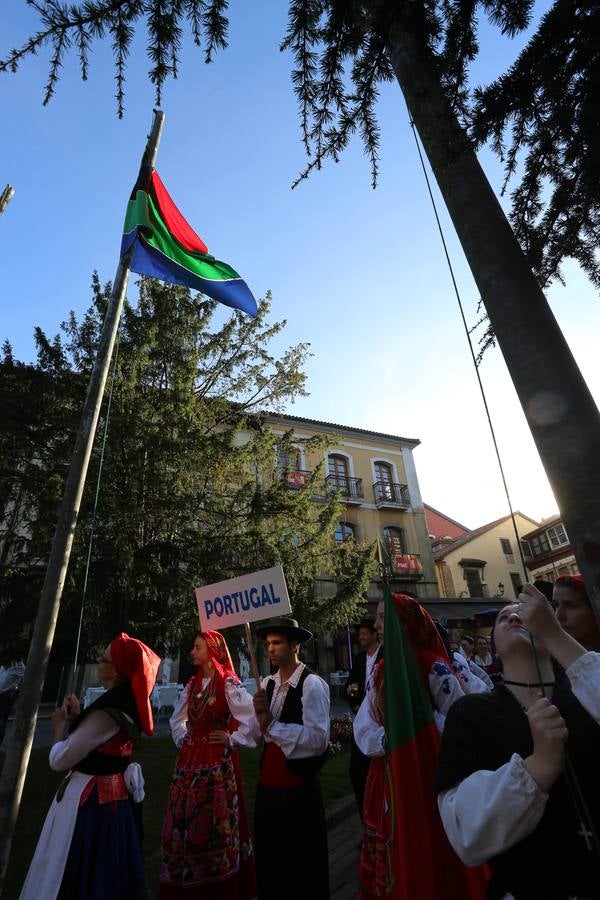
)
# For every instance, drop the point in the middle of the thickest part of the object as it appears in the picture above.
(460, 609)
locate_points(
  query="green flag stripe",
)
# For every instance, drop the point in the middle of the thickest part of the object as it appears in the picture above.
(407, 705)
(142, 212)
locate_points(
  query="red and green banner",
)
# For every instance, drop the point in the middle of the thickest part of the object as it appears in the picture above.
(165, 246)
(420, 863)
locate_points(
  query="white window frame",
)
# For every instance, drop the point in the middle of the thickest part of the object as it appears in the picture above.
(553, 536)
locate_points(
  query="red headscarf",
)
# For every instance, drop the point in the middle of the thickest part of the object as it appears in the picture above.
(421, 633)
(219, 654)
(139, 665)
(575, 582)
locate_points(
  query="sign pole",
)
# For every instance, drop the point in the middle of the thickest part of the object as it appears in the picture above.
(18, 748)
(253, 665)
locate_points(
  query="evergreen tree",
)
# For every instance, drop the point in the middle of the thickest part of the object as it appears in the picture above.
(191, 492)
(344, 49)
(540, 116)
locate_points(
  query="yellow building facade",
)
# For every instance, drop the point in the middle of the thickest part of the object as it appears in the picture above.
(376, 477)
(485, 562)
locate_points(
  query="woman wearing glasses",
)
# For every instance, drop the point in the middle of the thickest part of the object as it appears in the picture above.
(90, 848)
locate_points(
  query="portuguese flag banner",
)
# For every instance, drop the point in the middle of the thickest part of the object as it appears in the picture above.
(421, 863)
(166, 247)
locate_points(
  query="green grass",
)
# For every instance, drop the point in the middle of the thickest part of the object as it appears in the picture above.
(157, 757)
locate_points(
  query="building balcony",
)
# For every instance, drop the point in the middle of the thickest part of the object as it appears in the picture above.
(297, 478)
(389, 494)
(351, 489)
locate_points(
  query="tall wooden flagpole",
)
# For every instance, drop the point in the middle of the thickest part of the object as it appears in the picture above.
(21, 739)
(5, 197)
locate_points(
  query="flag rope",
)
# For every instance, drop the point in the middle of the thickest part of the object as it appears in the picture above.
(95, 508)
(473, 357)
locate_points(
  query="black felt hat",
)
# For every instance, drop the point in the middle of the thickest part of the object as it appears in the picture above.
(284, 625)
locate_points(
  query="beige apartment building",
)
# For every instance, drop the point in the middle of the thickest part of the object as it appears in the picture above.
(550, 551)
(485, 562)
(376, 476)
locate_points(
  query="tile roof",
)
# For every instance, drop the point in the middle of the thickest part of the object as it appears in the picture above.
(466, 538)
(444, 516)
(350, 428)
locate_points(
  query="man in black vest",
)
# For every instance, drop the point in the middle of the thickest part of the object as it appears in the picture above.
(363, 666)
(292, 710)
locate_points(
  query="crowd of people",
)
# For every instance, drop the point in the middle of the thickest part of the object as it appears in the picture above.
(467, 787)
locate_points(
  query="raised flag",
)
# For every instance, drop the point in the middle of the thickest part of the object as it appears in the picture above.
(165, 246)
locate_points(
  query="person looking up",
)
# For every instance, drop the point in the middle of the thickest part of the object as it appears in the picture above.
(502, 793)
(574, 611)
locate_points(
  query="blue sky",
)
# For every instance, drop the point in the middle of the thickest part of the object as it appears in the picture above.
(358, 273)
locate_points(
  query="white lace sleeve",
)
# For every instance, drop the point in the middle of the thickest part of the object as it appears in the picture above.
(489, 812)
(444, 688)
(471, 682)
(134, 781)
(178, 720)
(96, 728)
(584, 675)
(241, 708)
(368, 733)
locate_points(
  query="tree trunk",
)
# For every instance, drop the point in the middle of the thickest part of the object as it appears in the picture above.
(558, 406)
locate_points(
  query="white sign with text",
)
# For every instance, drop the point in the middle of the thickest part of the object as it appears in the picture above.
(249, 598)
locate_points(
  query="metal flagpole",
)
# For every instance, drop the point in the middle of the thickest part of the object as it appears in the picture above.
(21, 739)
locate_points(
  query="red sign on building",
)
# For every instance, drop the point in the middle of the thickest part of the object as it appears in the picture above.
(407, 564)
(297, 479)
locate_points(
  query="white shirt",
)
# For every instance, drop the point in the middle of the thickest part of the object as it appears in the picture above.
(489, 812)
(370, 663)
(311, 738)
(97, 728)
(240, 706)
(368, 733)
(11, 676)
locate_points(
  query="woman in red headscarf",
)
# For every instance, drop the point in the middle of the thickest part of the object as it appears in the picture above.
(405, 852)
(90, 848)
(207, 850)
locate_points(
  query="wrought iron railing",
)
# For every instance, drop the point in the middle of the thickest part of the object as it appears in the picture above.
(350, 488)
(388, 492)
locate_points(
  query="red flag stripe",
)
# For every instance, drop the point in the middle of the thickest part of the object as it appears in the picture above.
(173, 219)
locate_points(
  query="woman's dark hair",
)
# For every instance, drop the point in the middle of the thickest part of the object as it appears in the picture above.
(576, 583)
(443, 633)
(469, 638)
(546, 588)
